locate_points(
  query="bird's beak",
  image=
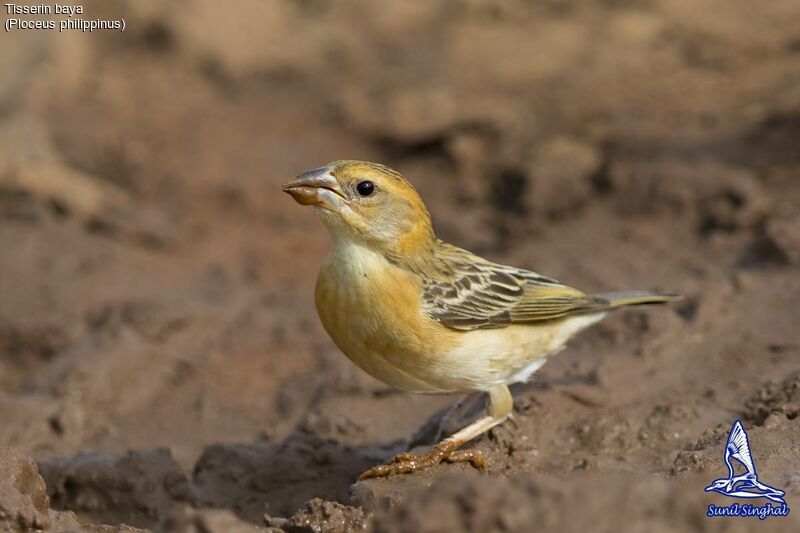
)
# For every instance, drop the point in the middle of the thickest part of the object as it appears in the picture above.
(316, 187)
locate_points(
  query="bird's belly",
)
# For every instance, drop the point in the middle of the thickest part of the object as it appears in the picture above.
(487, 357)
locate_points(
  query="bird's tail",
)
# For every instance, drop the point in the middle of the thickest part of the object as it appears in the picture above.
(625, 298)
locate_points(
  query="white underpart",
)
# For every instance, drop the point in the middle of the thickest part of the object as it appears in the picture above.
(525, 374)
(489, 357)
(569, 328)
(573, 325)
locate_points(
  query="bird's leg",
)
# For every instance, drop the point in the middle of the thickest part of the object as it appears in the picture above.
(500, 405)
(455, 413)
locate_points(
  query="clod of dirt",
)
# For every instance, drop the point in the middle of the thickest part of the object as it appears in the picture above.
(26, 346)
(102, 207)
(721, 196)
(561, 172)
(384, 493)
(23, 499)
(25, 506)
(184, 519)
(690, 461)
(275, 477)
(774, 398)
(407, 115)
(766, 441)
(136, 488)
(472, 503)
(784, 234)
(737, 204)
(25, 342)
(320, 515)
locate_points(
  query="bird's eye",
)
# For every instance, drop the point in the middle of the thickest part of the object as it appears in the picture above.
(365, 188)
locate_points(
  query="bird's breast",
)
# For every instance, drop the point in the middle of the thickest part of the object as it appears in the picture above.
(371, 309)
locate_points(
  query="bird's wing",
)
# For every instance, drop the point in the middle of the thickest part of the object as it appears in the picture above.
(739, 447)
(469, 292)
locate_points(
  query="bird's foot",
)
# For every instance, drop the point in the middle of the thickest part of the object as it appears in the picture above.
(406, 463)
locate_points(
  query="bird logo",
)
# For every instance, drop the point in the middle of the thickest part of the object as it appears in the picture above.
(746, 484)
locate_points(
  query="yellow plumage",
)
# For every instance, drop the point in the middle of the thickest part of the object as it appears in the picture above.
(425, 316)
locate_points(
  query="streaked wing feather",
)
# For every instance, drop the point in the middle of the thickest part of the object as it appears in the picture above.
(739, 447)
(474, 293)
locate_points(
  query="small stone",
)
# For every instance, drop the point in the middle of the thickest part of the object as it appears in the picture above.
(319, 515)
(137, 487)
(24, 503)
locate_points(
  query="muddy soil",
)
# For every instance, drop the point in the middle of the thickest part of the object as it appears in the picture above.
(161, 363)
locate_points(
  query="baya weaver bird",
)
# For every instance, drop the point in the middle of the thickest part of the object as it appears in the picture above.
(425, 316)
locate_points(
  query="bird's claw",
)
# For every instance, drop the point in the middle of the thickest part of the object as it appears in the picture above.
(473, 457)
(406, 463)
(402, 457)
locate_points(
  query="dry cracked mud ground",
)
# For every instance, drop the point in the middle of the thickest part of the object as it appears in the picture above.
(161, 363)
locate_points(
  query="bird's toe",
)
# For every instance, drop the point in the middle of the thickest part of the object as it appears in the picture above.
(407, 463)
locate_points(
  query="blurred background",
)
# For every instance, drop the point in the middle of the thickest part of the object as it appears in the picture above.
(160, 354)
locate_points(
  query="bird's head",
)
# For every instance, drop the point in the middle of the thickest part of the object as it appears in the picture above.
(717, 485)
(367, 203)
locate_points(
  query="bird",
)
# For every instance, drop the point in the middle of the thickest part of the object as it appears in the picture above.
(425, 316)
(745, 485)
